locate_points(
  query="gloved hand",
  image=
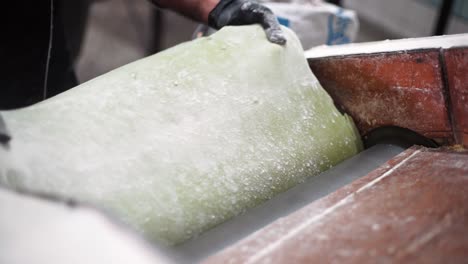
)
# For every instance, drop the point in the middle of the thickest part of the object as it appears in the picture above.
(245, 12)
(4, 136)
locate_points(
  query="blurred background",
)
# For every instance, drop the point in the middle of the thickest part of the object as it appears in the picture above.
(117, 32)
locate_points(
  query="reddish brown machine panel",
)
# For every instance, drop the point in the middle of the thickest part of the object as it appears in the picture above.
(402, 89)
(413, 209)
(456, 61)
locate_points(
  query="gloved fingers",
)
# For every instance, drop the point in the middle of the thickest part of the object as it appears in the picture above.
(275, 33)
(245, 12)
(265, 17)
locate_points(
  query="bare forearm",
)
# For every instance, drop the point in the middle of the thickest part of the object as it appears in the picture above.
(220, 13)
(195, 9)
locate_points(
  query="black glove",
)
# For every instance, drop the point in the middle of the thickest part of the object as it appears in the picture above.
(245, 12)
(4, 136)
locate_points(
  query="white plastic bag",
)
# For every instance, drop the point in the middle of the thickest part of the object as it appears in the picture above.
(316, 22)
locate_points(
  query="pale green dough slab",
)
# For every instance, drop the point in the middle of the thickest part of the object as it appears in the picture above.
(181, 141)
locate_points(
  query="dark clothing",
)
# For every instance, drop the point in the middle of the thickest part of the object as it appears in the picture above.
(26, 29)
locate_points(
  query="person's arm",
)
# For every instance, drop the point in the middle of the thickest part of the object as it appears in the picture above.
(220, 13)
(195, 9)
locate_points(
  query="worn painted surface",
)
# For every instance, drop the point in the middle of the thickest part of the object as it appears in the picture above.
(412, 209)
(402, 89)
(456, 61)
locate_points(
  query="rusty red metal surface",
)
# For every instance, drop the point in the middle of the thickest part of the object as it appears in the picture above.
(456, 61)
(413, 209)
(404, 89)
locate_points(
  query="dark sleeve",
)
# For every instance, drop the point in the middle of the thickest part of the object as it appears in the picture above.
(26, 28)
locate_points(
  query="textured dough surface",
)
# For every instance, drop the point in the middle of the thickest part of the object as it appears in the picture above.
(181, 141)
